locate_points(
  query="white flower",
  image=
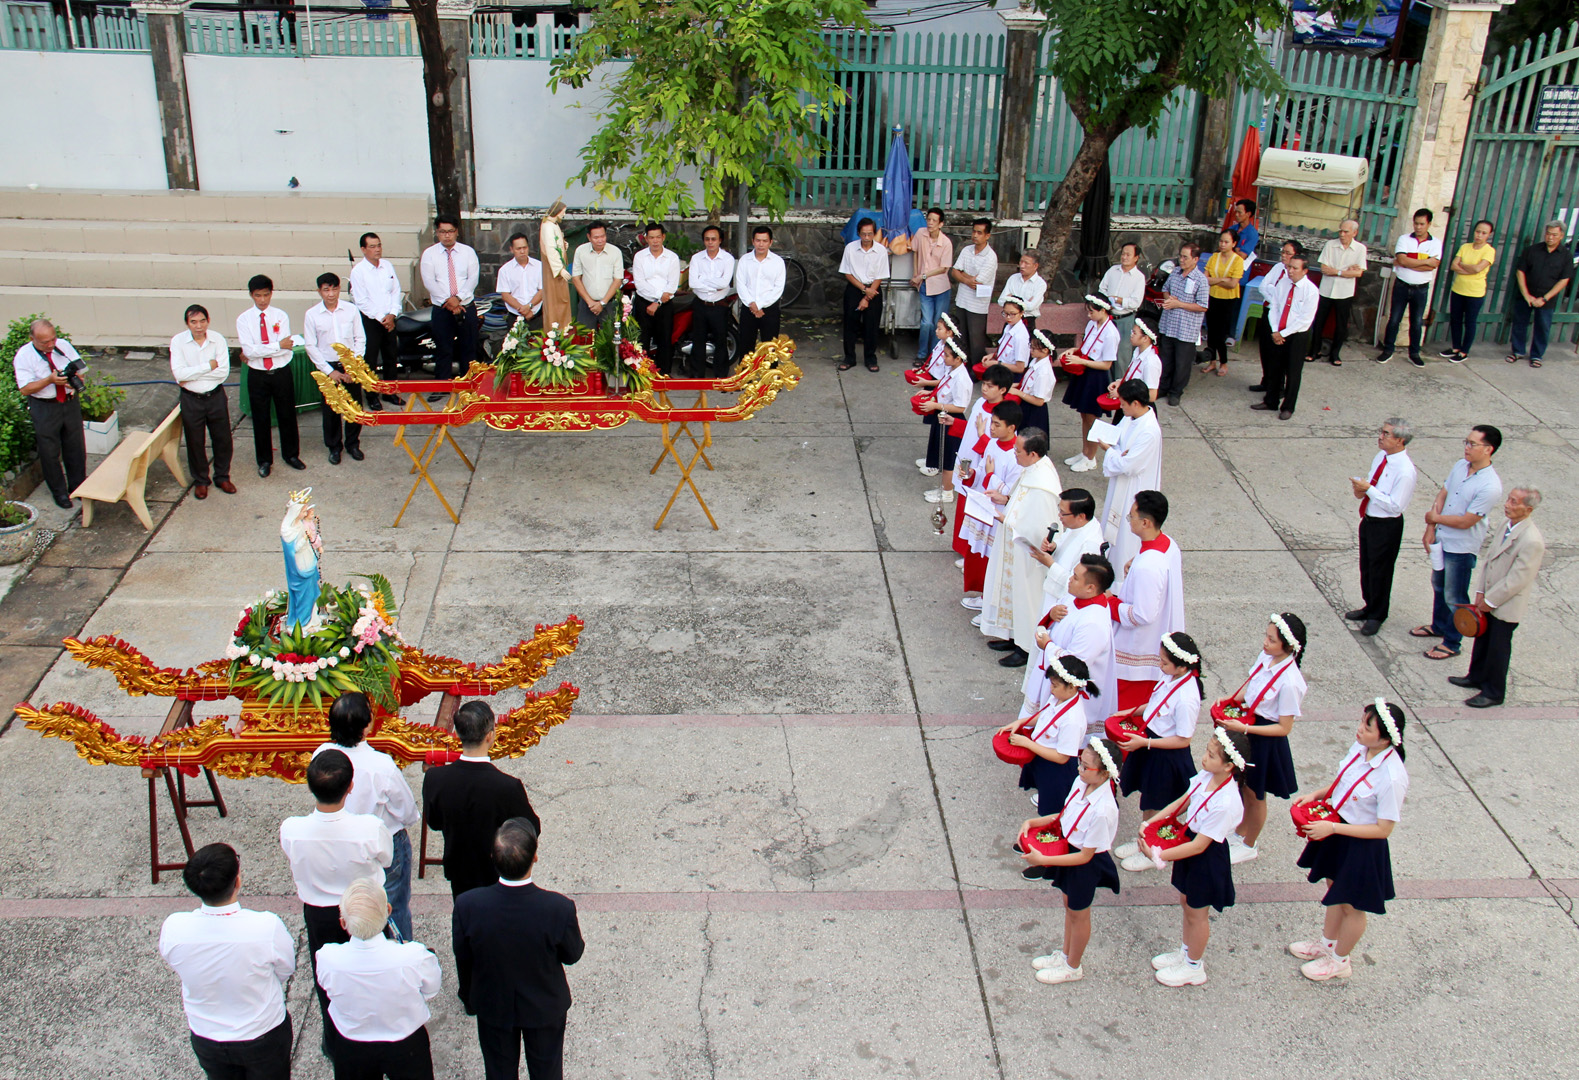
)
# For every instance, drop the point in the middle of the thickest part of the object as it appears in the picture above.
(333, 661)
(254, 659)
(278, 676)
(235, 651)
(345, 652)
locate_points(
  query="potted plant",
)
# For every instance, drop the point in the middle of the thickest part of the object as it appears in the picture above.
(101, 426)
(18, 524)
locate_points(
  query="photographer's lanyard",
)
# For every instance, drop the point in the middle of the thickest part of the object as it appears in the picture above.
(60, 391)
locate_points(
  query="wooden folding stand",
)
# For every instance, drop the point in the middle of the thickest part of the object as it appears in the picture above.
(175, 783)
(422, 459)
(683, 427)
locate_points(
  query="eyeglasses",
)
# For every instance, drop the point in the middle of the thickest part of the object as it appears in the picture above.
(1473, 442)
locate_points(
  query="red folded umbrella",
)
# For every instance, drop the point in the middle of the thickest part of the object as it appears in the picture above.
(1246, 168)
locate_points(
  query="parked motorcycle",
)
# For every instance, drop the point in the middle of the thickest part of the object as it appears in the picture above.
(680, 336)
(414, 335)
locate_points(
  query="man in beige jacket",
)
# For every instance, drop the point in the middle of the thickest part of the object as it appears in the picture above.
(1506, 580)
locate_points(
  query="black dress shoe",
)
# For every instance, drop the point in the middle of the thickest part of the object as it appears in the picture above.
(1465, 681)
(334, 457)
(1000, 646)
(1481, 701)
(1256, 389)
(1262, 406)
(374, 403)
(1017, 658)
(1285, 414)
(355, 452)
(394, 399)
(437, 397)
(265, 468)
(64, 502)
(295, 463)
(1370, 627)
(1035, 873)
(1357, 615)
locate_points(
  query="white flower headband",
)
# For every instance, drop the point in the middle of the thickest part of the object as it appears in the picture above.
(1178, 653)
(1221, 735)
(1042, 339)
(955, 347)
(1285, 633)
(1140, 324)
(948, 322)
(1385, 715)
(1107, 759)
(1098, 302)
(1063, 674)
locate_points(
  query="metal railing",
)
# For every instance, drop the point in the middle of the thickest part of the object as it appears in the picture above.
(498, 35)
(36, 27)
(298, 32)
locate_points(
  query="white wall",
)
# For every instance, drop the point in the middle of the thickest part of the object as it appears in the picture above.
(80, 120)
(336, 123)
(528, 140)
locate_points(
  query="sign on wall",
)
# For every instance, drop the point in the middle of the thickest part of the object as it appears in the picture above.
(1558, 111)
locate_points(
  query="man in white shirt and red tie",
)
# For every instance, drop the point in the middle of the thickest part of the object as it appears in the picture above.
(57, 415)
(375, 290)
(233, 965)
(520, 283)
(1384, 495)
(200, 363)
(759, 284)
(655, 271)
(711, 278)
(449, 273)
(1291, 307)
(264, 333)
(330, 323)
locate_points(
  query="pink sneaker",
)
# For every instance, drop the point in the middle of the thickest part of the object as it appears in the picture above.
(1330, 966)
(1308, 950)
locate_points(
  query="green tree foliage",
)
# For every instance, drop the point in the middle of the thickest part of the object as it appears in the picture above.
(722, 91)
(1513, 26)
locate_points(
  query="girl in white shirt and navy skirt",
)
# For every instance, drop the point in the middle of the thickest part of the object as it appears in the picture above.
(1058, 730)
(933, 370)
(1202, 871)
(1158, 764)
(1350, 851)
(1089, 821)
(1272, 694)
(1036, 385)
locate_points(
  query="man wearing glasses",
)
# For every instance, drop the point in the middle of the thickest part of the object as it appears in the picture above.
(1383, 499)
(1455, 528)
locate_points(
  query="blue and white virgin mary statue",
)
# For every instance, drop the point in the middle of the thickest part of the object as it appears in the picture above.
(302, 545)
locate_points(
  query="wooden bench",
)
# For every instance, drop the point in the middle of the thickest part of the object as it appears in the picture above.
(124, 473)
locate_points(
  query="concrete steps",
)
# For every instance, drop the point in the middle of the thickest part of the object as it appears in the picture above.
(120, 268)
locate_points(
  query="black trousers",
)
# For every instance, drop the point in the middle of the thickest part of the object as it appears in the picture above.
(710, 323)
(207, 413)
(57, 429)
(1285, 366)
(1178, 360)
(454, 341)
(657, 332)
(409, 1059)
(754, 330)
(273, 387)
(1339, 310)
(1220, 316)
(323, 928)
(1380, 539)
(383, 354)
(337, 434)
(268, 1057)
(502, 1048)
(1488, 660)
(975, 337)
(863, 323)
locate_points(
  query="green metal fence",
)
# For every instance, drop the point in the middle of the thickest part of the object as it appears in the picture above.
(35, 27)
(497, 35)
(255, 33)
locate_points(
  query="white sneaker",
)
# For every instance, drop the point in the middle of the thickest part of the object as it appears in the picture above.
(921, 463)
(1241, 853)
(934, 495)
(1308, 950)
(1183, 975)
(1086, 464)
(971, 602)
(1048, 961)
(948, 497)
(1036, 799)
(929, 472)
(1124, 851)
(1061, 973)
(1330, 966)
(1075, 458)
(976, 622)
(1136, 863)
(1166, 960)
(959, 564)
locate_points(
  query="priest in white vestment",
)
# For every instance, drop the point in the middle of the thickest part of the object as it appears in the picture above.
(1079, 624)
(1151, 602)
(1079, 533)
(1133, 464)
(1012, 593)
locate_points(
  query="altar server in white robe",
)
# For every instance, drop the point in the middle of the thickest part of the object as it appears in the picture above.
(1012, 589)
(1133, 464)
(1079, 624)
(1079, 533)
(1151, 601)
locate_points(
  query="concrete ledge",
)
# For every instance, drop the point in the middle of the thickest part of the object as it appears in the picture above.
(212, 206)
(137, 316)
(71, 235)
(97, 270)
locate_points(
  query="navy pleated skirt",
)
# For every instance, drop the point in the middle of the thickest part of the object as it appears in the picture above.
(1079, 884)
(1052, 783)
(1361, 871)
(1160, 776)
(1207, 879)
(1083, 390)
(1033, 416)
(1274, 766)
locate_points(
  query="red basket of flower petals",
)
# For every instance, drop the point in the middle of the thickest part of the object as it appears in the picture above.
(1229, 709)
(1107, 402)
(921, 399)
(1304, 813)
(1125, 726)
(1165, 833)
(1045, 840)
(1074, 367)
(1012, 755)
(979, 368)
(914, 376)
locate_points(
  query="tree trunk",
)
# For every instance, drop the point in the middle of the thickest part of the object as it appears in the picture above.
(438, 78)
(1059, 218)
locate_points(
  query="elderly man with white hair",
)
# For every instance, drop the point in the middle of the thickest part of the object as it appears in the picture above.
(1506, 581)
(379, 991)
(1543, 273)
(41, 378)
(1342, 263)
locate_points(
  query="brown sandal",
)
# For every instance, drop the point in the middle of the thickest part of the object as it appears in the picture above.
(1440, 652)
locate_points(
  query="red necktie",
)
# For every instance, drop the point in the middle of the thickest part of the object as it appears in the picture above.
(1375, 476)
(455, 289)
(60, 391)
(263, 330)
(1283, 322)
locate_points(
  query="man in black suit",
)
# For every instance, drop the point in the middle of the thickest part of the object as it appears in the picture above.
(512, 940)
(469, 800)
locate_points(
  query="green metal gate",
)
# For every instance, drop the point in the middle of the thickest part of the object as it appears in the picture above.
(1515, 177)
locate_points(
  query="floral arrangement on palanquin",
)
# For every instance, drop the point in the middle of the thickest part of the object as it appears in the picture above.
(624, 363)
(354, 646)
(558, 357)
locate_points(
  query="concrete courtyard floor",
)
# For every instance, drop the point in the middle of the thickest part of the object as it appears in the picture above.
(776, 803)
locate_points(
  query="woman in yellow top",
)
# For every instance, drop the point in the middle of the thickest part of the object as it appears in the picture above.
(1470, 267)
(1223, 272)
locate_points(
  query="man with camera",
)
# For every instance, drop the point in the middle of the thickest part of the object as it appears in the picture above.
(49, 376)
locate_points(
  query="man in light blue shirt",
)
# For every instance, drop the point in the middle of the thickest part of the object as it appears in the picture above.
(1457, 522)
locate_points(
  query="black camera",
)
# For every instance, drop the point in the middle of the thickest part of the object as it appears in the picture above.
(73, 378)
